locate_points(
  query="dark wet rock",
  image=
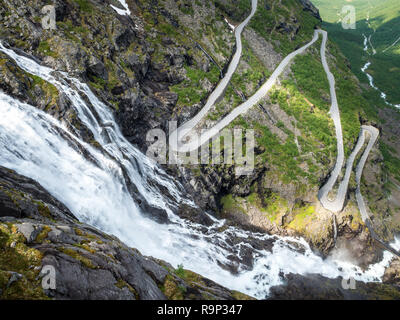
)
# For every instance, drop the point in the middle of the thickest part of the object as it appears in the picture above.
(89, 264)
(139, 66)
(194, 214)
(15, 276)
(284, 27)
(308, 6)
(157, 214)
(96, 68)
(133, 70)
(22, 197)
(392, 273)
(358, 244)
(317, 287)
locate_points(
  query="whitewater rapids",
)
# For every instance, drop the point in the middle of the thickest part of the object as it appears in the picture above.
(36, 145)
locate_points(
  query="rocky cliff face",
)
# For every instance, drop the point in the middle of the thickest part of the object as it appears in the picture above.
(316, 287)
(160, 64)
(36, 231)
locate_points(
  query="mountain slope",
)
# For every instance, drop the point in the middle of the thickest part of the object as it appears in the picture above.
(375, 41)
(37, 230)
(378, 20)
(162, 63)
(379, 11)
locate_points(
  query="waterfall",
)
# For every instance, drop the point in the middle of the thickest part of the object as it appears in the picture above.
(334, 222)
(40, 147)
(370, 78)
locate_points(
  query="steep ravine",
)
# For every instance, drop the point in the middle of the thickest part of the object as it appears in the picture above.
(129, 189)
(239, 257)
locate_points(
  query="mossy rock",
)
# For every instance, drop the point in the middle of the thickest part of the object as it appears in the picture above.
(21, 262)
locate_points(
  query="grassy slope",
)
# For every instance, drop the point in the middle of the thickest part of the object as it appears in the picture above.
(308, 81)
(385, 29)
(385, 9)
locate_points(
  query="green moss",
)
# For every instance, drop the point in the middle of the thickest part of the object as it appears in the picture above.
(43, 234)
(85, 234)
(241, 296)
(123, 284)
(171, 289)
(77, 256)
(230, 205)
(273, 205)
(180, 272)
(228, 202)
(84, 5)
(85, 246)
(45, 49)
(50, 91)
(191, 277)
(301, 217)
(97, 83)
(21, 259)
(44, 210)
(13, 195)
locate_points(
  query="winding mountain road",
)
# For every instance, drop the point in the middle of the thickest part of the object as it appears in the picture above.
(181, 139)
(177, 136)
(184, 138)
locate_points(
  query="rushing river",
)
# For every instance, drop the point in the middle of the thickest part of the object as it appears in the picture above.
(370, 78)
(36, 145)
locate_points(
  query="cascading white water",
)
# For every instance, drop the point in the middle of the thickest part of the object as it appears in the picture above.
(372, 84)
(36, 145)
(371, 79)
(122, 12)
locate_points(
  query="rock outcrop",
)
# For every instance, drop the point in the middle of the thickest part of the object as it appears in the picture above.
(308, 6)
(37, 231)
(317, 287)
(157, 65)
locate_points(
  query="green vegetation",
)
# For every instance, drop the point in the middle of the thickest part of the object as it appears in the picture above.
(44, 210)
(248, 77)
(78, 256)
(45, 49)
(274, 204)
(392, 161)
(17, 257)
(269, 16)
(284, 157)
(43, 234)
(123, 284)
(185, 6)
(312, 80)
(384, 28)
(379, 11)
(180, 272)
(238, 10)
(302, 214)
(84, 5)
(171, 289)
(191, 90)
(230, 204)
